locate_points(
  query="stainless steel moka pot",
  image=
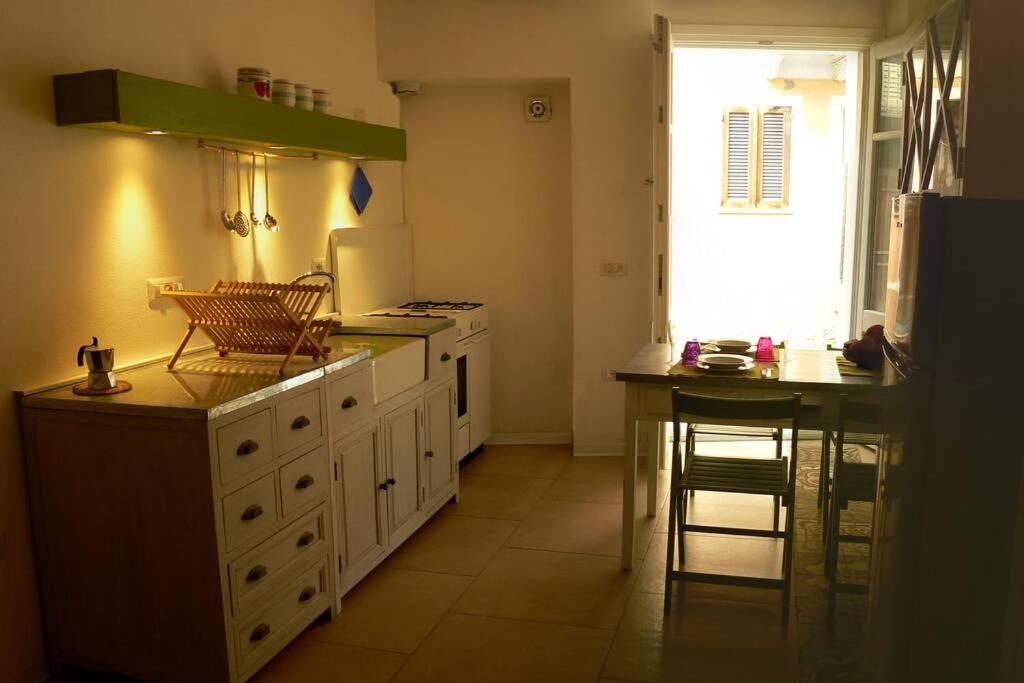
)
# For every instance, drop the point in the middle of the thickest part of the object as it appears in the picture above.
(101, 365)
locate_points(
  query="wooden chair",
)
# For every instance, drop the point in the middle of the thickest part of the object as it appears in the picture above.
(852, 482)
(775, 477)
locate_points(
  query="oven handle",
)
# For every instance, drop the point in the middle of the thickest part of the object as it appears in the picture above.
(475, 339)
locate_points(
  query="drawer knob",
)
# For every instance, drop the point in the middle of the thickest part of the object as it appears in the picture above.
(383, 487)
(252, 512)
(307, 594)
(305, 539)
(391, 481)
(256, 573)
(304, 482)
(248, 447)
(445, 357)
(259, 633)
(429, 454)
(301, 422)
(349, 402)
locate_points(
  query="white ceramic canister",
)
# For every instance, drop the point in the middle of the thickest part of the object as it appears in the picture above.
(322, 101)
(254, 83)
(284, 92)
(303, 97)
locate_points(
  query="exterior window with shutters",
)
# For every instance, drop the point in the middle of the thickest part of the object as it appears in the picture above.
(755, 173)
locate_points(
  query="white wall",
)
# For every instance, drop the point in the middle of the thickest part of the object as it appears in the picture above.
(88, 216)
(749, 274)
(603, 48)
(500, 233)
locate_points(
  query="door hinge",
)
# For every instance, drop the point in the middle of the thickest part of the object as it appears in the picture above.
(658, 39)
(339, 564)
(661, 213)
(335, 471)
(661, 274)
(661, 113)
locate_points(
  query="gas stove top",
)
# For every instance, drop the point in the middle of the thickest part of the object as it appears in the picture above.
(392, 314)
(440, 306)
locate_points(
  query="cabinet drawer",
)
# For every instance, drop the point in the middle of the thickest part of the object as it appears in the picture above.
(244, 445)
(298, 421)
(303, 481)
(351, 399)
(250, 511)
(272, 561)
(441, 352)
(303, 598)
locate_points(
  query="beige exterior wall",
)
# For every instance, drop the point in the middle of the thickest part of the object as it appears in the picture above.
(500, 233)
(88, 216)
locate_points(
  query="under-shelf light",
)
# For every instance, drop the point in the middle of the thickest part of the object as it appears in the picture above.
(156, 132)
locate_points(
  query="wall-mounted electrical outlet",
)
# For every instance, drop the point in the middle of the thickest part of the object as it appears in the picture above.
(613, 268)
(158, 285)
(318, 265)
(607, 375)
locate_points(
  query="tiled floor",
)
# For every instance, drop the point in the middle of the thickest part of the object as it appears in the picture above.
(520, 581)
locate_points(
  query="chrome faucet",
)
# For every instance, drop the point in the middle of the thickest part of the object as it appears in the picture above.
(315, 273)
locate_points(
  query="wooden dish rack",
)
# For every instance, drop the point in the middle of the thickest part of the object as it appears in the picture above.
(257, 317)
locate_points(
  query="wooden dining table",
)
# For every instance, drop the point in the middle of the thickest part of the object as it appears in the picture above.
(648, 384)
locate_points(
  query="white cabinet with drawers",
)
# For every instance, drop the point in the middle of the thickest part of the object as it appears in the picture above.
(211, 522)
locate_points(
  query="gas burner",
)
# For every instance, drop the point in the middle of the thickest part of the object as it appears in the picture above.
(440, 306)
(403, 315)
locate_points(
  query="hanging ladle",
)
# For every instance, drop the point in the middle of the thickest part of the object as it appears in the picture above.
(269, 222)
(240, 223)
(252, 193)
(225, 217)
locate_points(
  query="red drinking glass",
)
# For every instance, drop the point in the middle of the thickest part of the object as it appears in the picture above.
(690, 352)
(765, 350)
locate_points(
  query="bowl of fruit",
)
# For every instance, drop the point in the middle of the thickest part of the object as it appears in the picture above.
(866, 352)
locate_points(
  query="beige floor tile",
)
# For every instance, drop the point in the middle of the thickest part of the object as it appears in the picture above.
(497, 497)
(589, 480)
(392, 609)
(651, 578)
(310, 661)
(594, 528)
(453, 544)
(559, 588)
(701, 640)
(485, 649)
(541, 462)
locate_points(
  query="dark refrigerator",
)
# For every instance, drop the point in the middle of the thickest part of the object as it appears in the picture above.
(946, 568)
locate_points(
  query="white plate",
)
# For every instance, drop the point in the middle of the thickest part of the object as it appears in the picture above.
(732, 345)
(724, 368)
(725, 361)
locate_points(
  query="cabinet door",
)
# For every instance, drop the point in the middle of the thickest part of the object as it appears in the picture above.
(438, 458)
(403, 446)
(360, 506)
(478, 356)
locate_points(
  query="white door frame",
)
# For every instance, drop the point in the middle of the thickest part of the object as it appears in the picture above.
(856, 40)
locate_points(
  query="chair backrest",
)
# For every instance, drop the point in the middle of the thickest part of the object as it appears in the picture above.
(859, 416)
(782, 412)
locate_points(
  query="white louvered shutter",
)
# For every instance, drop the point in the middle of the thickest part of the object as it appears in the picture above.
(773, 186)
(738, 169)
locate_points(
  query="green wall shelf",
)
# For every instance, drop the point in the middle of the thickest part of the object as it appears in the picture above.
(116, 100)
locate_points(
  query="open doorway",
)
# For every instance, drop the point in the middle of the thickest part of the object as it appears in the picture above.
(763, 156)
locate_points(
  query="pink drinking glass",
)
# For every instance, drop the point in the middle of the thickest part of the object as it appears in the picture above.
(765, 350)
(690, 352)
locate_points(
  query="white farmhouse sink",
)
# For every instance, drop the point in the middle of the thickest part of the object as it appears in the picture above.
(398, 362)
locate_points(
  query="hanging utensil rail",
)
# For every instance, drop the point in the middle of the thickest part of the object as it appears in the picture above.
(296, 157)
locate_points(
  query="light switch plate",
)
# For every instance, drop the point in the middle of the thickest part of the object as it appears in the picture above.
(613, 268)
(318, 265)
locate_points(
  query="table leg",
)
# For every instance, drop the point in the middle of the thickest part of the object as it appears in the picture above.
(629, 475)
(653, 463)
